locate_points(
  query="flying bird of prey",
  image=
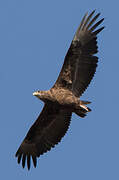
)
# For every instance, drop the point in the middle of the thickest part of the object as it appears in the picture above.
(63, 98)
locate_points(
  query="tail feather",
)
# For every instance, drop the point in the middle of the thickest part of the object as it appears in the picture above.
(83, 109)
(84, 102)
(79, 113)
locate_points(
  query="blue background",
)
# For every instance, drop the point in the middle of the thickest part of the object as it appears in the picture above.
(34, 38)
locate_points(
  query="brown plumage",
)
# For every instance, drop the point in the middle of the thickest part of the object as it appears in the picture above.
(64, 97)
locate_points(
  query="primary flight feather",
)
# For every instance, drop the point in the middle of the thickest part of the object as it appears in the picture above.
(63, 98)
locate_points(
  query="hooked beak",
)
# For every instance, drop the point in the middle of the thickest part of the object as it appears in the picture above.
(35, 93)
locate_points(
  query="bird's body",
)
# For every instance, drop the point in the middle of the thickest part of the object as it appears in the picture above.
(59, 96)
(63, 98)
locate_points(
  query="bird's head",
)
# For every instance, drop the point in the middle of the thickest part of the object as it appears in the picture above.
(42, 95)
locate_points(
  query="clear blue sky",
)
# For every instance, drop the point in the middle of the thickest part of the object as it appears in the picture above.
(34, 38)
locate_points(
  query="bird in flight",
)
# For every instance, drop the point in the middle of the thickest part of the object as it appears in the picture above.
(63, 98)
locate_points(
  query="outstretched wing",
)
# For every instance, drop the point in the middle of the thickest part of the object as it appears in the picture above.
(80, 63)
(44, 134)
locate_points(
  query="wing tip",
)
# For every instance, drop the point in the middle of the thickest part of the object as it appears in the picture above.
(86, 23)
(34, 159)
(98, 30)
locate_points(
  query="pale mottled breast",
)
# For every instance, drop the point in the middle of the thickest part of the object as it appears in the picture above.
(63, 96)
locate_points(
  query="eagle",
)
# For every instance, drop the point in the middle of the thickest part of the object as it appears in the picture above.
(63, 98)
